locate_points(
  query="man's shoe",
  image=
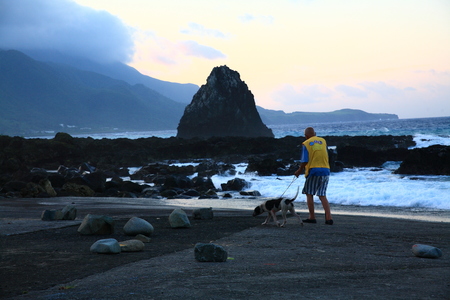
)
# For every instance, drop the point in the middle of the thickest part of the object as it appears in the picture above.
(328, 222)
(310, 221)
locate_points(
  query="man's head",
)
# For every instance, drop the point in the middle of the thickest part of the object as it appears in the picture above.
(309, 132)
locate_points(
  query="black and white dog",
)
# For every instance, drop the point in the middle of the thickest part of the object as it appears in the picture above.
(275, 205)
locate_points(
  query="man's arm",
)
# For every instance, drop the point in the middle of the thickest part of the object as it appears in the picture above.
(304, 161)
(300, 169)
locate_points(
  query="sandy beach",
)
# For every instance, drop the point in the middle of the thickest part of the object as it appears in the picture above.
(366, 254)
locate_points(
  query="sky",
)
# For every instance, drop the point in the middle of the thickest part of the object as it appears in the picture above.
(384, 56)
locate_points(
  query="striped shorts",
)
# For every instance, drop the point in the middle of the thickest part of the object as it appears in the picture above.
(316, 185)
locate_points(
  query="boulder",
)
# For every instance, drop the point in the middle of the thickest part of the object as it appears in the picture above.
(136, 226)
(224, 106)
(14, 186)
(202, 183)
(96, 225)
(191, 193)
(48, 188)
(69, 212)
(179, 219)
(57, 180)
(132, 187)
(131, 246)
(142, 238)
(38, 174)
(426, 251)
(433, 160)
(170, 194)
(51, 215)
(264, 167)
(210, 253)
(78, 190)
(250, 193)
(96, 181)
(202, 213)
(33, 190)
(106, 246)
(236, 184)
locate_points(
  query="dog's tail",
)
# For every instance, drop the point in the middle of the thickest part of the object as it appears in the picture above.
(295, 197)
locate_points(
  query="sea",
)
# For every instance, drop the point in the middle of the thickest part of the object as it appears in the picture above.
(356, 187)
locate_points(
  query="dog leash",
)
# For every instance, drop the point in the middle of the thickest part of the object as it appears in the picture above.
(295, 177)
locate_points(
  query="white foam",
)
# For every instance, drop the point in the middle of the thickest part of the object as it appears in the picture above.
(425, 140)
(360, 187)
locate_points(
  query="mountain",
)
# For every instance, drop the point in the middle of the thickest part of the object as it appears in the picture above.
(278, 117)
(176, 91)
(75, 96)
(37, 97)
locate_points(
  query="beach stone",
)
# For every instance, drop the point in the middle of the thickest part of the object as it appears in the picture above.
(179, 219)
(203, 213)
(250, 193)
(33, 190)
(47, 185)
(191, 193)
(78, 190)
(96, 181)
(106, 246)
(51, 215)
(131, 246)
(96, 224)
(142, 238)
(69, 212)
(236, 184)
(426, 251)
(136, 226)
(210, 253)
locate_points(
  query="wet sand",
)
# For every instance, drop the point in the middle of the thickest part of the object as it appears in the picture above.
(366, 254)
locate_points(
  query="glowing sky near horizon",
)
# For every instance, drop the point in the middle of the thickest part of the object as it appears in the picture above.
(385, 56)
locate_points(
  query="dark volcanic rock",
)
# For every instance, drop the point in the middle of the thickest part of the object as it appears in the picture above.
(434, 160)
(223, 107)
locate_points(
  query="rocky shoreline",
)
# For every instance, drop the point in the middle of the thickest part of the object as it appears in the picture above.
(89, 167)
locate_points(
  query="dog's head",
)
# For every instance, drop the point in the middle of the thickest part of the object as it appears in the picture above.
(257, 211)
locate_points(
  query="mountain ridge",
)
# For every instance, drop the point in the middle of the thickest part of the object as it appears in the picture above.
(41, 96)
(38, 97)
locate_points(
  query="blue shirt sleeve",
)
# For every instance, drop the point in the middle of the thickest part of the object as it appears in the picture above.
(305, 154)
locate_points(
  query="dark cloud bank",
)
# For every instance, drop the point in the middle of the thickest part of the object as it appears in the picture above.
(66, 27)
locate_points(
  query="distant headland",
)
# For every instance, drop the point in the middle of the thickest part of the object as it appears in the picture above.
(46, 93)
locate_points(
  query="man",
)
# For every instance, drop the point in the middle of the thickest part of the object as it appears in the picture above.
(317, 172)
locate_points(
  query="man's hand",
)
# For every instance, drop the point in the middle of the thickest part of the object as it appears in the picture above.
(300, 169)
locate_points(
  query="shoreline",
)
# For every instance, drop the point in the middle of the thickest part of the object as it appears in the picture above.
(30, 209)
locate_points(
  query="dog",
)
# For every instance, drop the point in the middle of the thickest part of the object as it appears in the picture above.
(273, 206)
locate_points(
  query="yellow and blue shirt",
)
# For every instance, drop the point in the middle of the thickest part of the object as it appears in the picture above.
(315, 154)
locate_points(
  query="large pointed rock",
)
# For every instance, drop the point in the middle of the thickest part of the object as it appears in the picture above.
(224, 106)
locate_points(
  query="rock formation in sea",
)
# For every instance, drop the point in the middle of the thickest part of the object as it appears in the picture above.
(224, 106)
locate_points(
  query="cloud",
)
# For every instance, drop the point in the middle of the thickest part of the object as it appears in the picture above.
(350, 91)
(410, 89)
(381, 88)
(195, 49)
(198, 29)
(267, 20)
(291, 96)
(246, 18)
(66, 27)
